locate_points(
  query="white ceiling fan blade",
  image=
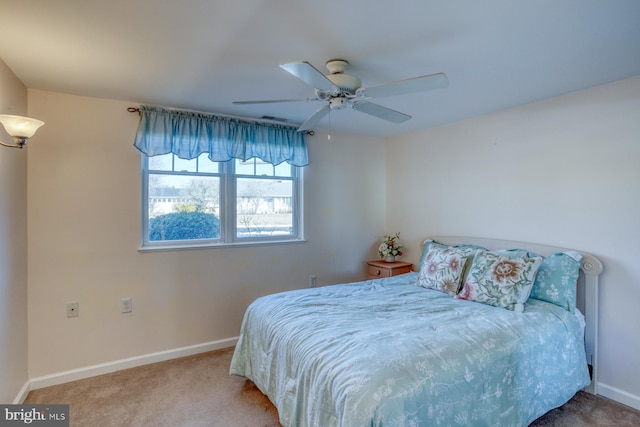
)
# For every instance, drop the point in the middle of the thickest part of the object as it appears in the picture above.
(400, 87)
(273, 101)
(380, 111)
(310, 75)
(315, 118)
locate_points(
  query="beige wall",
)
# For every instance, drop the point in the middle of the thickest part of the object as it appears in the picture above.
(13, 245)
(84, 234)
(563, 172)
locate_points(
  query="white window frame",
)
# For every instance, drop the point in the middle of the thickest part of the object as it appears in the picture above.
(228, 214)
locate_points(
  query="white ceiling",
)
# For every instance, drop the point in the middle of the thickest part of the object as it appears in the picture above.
(203, 54)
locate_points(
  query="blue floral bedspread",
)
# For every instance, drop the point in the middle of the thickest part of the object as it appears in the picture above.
(388, 353)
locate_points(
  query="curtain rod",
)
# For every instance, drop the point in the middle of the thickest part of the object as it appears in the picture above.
(245, 119)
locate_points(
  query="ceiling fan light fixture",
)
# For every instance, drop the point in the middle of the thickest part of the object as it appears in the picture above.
(338, 103)
(322, 95)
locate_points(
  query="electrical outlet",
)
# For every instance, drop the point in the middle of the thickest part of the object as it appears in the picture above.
(73, 309)
(126, 305)
(313, 281)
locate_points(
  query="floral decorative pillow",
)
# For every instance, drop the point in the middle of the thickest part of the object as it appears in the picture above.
(501, 279)
(469, 249)
(557, 279)
(442, 269)
(431, 243)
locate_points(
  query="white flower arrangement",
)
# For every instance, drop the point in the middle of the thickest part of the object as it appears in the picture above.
(390, 246)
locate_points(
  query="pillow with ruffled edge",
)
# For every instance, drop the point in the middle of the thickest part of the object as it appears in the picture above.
(557, 280)
(469, 249)
(501, 279)
(442, 269)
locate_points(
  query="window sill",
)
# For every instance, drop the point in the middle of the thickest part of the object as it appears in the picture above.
(165, 248)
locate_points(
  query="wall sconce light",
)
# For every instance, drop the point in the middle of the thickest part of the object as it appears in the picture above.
(20, 128)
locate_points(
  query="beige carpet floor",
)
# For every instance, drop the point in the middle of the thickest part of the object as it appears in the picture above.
(198, 391)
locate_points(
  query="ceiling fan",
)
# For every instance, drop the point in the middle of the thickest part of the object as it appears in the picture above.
(340, 90)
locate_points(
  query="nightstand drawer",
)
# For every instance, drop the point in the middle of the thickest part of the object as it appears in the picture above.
(378, 269)
(375, 272)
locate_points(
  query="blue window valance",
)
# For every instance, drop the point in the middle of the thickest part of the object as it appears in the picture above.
(188, 134)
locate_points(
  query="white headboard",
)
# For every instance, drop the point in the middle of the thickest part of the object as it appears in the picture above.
(587, 290)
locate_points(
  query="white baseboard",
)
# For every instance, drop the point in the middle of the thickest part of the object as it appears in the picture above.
(618, 395)
(22, 395)
(118, 365)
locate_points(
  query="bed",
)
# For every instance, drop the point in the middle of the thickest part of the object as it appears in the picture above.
(394, 352)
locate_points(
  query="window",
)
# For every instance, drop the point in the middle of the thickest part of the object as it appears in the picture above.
(190, 203)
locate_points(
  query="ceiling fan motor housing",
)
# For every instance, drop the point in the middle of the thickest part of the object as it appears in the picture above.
(347, 83)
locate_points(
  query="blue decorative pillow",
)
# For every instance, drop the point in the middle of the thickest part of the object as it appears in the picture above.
(557, 279)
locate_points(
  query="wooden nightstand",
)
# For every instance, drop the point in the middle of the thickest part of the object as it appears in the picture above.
(378, 269)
